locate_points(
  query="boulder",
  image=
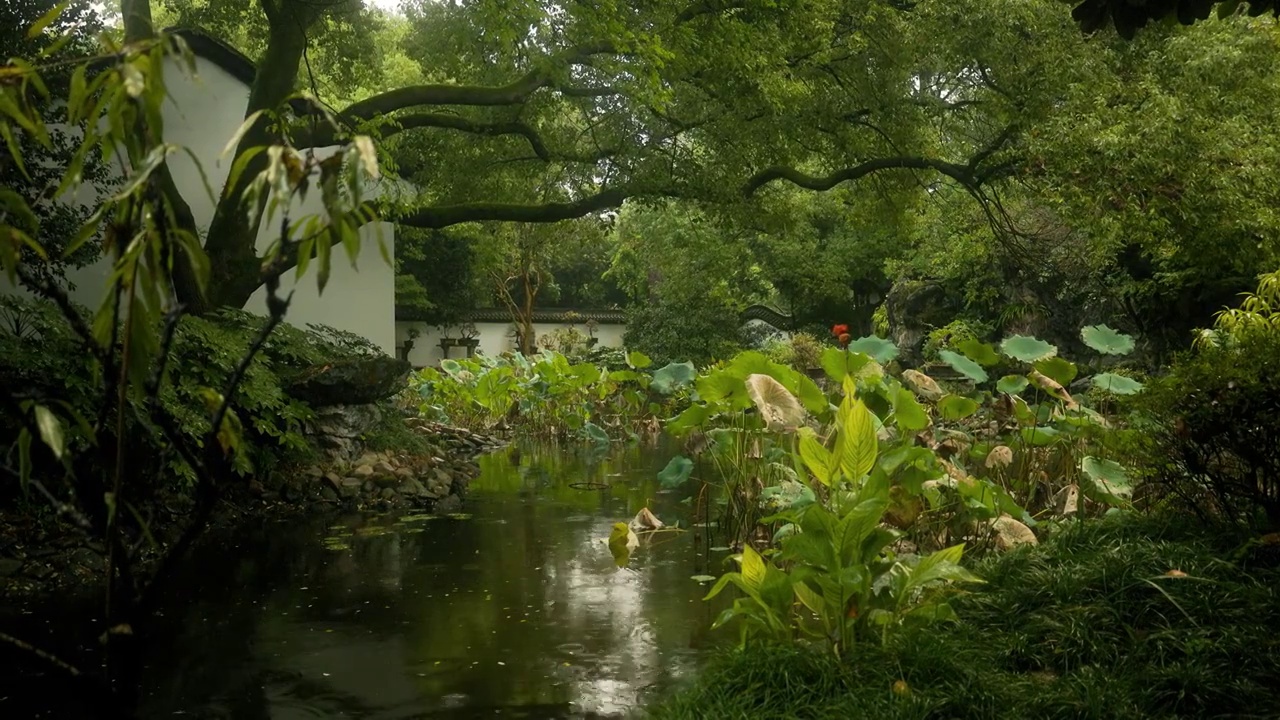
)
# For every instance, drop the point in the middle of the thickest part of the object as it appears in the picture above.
(354, 381)
(350, 487)
(1011, 533)
(912, 307)
(344, 421)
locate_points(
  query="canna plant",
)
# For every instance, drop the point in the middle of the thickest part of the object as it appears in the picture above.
(838, 579)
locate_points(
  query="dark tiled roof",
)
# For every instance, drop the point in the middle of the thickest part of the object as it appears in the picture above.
(232, 61)
(543, 315)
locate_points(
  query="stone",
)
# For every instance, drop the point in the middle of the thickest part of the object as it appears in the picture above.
(386, 481)
(350, 487)
(387, 494)
(369, 487)
(333, 481)
(328, 494)
(363, 471)
(412, 486)
(355, 381)
(9, 567)
(337, 423)
(384, 468)
(404, 473)
(450, 504)
(314, 472)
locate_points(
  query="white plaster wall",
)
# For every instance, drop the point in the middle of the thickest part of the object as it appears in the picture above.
(202, 114)
(493, 338)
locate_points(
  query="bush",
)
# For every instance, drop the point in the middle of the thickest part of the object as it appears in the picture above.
(1128, 617)
(38, 351)
(1214, 445)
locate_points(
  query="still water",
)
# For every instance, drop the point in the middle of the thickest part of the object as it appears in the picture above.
(513, 609)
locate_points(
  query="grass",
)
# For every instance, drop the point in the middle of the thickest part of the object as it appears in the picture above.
(1090, 624)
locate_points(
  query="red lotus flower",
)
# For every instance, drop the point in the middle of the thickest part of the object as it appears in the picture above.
(844, 339)
(839, 330)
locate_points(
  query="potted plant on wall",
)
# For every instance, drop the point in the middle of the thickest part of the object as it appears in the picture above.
(470, 338)
(446, 341)
(592, 340)
(407, 347)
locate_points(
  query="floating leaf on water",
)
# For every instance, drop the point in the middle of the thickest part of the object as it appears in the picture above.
(703, 578)
(1107, 340)
(459, 516)
(421, 517)
(720, 548)
(676, 472)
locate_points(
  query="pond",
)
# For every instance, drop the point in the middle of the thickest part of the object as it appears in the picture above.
(513, 609)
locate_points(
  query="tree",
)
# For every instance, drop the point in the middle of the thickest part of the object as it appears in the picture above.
(684, 99)
(1129, 17)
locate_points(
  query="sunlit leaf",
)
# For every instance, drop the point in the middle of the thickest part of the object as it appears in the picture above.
(1117, 384)
(979, 352)
(780, 409)
(1012, 384)
(1061, 370)
(877, 348)
(673, 377)
(50, 430)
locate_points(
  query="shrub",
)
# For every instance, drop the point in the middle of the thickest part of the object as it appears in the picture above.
(1214, 445)
(38, 351)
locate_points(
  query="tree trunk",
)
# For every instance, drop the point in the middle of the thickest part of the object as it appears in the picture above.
(234, 266)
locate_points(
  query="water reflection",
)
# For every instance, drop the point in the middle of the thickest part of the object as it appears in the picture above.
(516, 610)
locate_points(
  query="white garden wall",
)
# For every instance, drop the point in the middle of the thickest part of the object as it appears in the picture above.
(494, 339)
(202, 114)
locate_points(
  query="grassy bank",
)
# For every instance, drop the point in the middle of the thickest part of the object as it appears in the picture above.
(1119, 618)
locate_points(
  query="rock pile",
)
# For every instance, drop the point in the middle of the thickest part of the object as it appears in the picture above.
(437, 480)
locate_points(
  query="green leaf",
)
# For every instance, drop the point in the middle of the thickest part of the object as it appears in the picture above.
(593, 432)
(693, 417)
(621, 540)
(816, 457)
(1110, 481)
(979, 352)
(907, 411)
(234, 142)
(1106, 340)
(43, 22)
(753, 568)
(964, 365)
(1059, 369)
(941, 565)
(1012, 384)
(837, 363)
(856, 444)
(1117, 384)
(877, 348)
(637, 360)
(673, 377)
(677, 471)
(1027, 348)
(703, 578)
(1040, 436)
(50, 430)
(956, 407)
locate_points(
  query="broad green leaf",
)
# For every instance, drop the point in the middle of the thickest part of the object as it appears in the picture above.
(907, 411)
(816, 457)
(453, 367)
(1039, 436)
(1027, 349)
(956, 407)
(753, 567)
(637, 360)
(621, 541)
(673, 377)
(877, 348)
(941, 565)
(1117, 384)
(979, 352)
(1012, 384)
(1059, 369)
(856, 445)
(1109, 479)
(837, 363)
(1106, 340)
(963, 365)
(677, 471)
(693, 417)
(593, 432)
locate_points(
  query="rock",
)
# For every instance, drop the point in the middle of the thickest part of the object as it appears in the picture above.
(9, 567)
(363, 471)
(384, 468)
(345, 421)
(387, 494)
(350, 487)
(328, 494)
(369, 487)
(912, 307)
(404, 473)
(386, 481)
(450, 504)
(444, 476)
(356, 381)
(1011, 533)
(412, 486)
(315, 472)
